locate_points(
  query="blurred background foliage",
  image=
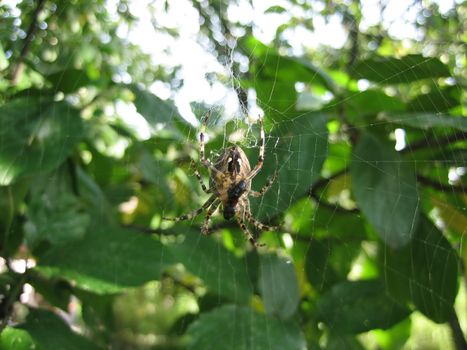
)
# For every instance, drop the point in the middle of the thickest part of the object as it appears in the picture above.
(368, 137)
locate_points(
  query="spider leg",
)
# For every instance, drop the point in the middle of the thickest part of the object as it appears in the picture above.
(265, 187)
(200, 180)
(259, 165)
(259, 225)
(207, 220)
(247, 233)
(202, 154)
(194, 213)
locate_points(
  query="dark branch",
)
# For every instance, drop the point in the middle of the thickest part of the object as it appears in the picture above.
(457, 334)
(323, 182)
(442, 141)
(73, 176)
(14, 292)
(440, 186)
(353, 37)
(330, 206)
(27, 41)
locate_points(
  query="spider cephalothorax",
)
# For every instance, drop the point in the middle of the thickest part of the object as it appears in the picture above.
(230, 185)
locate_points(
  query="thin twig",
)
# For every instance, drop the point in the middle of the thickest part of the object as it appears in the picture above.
(27, 41)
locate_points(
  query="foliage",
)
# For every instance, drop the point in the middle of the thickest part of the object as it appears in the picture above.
(370, 235)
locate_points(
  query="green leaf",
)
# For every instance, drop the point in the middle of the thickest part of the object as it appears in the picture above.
(35, 136)
(391, 70)
(300, 146)
(11, 199)
(328, 261)
(280, 68)
(396, 337)
(452, 214)
(107, 260)
(152, 108)
(359, 306)
(48, 331)
(425, 272)
(253, 47)
(97, 310)
(275, 78)
(222, 272)
(427, 121)
(277, 98)
(58, 221)
(238, 328)
(275, 9)
(437, 100)
(56, 291)
(15, 339)
(339, 342)
(361, 108)
(318, 268)
(385, 189)
(69, 80)
(278, 286)
(341, 225)
(95, 200)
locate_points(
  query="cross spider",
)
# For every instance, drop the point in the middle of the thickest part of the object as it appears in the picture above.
(230, 185)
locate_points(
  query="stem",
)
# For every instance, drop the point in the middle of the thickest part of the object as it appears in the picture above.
(27, 41)
(457, 334)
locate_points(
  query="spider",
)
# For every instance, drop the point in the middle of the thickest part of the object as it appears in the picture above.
(230, 186)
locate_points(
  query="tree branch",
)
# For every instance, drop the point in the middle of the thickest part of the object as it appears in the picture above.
(440, 186)
(222, 49)
(330, 206)
(149, 230)
(426, 143)
(323, 182)
(27, 41)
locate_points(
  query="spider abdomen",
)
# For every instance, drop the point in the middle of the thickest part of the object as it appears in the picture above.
(233, 195)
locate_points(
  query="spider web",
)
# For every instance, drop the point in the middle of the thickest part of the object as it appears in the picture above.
(300, 164)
